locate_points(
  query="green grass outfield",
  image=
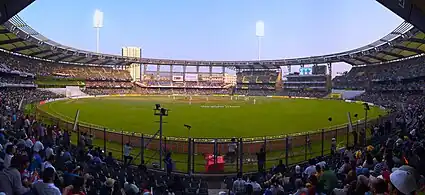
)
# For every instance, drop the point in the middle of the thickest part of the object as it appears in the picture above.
(229, 118)
(217, 117)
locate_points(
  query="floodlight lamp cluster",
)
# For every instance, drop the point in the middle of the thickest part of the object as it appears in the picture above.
(158, 110)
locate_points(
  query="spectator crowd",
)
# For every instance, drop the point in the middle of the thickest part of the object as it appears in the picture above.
(38, 158)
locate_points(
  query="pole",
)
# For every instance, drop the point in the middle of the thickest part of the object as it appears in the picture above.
(193, 155)
(142, 149)
(160, 140)
(78, 135)
(215, 151)
(365, 126)
(286, 150)
(365, 119)
(305, 148)
(240, 155)
(97, 39)
(347, 135)
(104, 140)
(122, 145)
(259, 48)
(323, 141)
(189, 156)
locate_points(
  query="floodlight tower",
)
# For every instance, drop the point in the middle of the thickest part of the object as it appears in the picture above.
(259, 32)
(97, 24)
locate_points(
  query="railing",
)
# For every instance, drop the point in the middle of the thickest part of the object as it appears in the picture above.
(190, 155)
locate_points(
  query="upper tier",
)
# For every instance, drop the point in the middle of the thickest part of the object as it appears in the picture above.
(17, 36)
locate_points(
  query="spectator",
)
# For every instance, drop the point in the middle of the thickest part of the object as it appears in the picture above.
(130, 187)
(10, 178)
(311, 169)
(46, 185)
(328, 180)
(127, 154)
(232, 150)
(10, 151)
(301, 190)
(239, 185)
(346, 167)
(76, 188)
(261, 160)
(256, 187)
(168, 163)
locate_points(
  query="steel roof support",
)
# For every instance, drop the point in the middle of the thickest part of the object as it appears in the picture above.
(418, 51)
(10, 41)
(23, 48)
(392, 54)
(348, 62)
(77, 59)
(362, 60)
(39, 52)
(64, 57)
(91, 61)
(376, 58)
(416, 40)
(51, 55)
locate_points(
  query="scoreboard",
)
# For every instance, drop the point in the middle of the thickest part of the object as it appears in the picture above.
(306, 71)
(314, 70)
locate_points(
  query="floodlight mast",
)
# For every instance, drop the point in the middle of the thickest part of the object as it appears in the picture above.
(97, 24)
(259, 32)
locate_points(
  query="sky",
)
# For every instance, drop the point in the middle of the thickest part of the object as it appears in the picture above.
(215, 29)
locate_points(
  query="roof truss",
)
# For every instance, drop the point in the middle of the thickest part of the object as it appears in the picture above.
(346, 61)
(376, 58)
(92, 60)
(77, 59)
(10, 41)
(416, 40)
(51, 55)
(361, 60)
(392, 54)
(418, 51)
(23, 48)
(64, 57)
(107, 61)
(39, 52)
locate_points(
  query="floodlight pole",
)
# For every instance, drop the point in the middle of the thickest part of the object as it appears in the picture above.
(160, 140)
(365, 118)
(259, 48)
(161, 112)
(97, 39)
(366, 109)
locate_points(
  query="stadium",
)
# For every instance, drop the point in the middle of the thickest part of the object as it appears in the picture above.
(214, 118)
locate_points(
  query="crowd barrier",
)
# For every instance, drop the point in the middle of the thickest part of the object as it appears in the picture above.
(190, 154)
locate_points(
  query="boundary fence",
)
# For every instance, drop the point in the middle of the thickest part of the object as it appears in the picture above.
(190, 155)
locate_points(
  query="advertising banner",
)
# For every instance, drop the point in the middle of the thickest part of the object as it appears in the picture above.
(191, 77)
(178, 78)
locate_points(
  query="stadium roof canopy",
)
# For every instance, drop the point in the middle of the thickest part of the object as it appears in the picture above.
(18, 37)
